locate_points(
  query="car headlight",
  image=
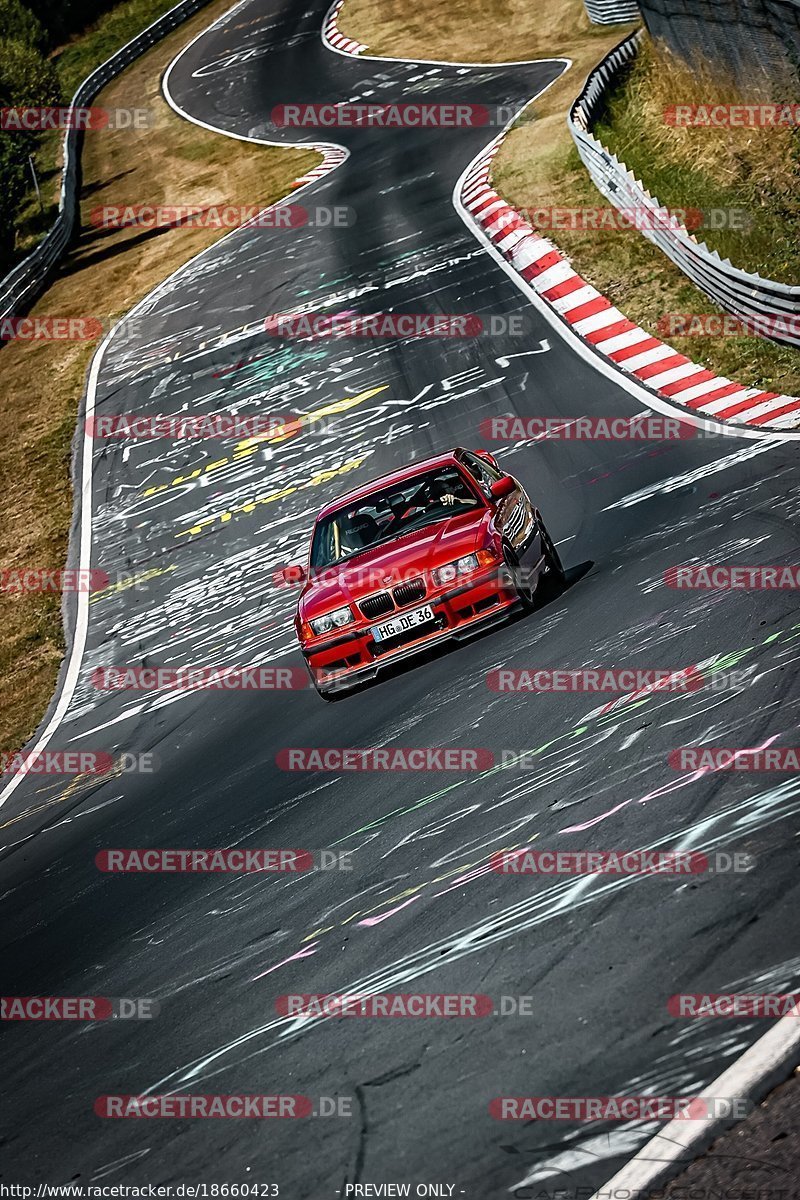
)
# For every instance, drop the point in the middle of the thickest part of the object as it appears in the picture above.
(332, 620)
(462, 566)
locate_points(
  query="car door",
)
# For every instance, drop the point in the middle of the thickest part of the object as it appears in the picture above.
(514, 516)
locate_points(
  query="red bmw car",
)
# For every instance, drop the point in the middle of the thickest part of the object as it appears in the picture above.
(434, 552)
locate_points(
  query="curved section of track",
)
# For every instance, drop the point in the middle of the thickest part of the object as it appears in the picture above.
(204, 526)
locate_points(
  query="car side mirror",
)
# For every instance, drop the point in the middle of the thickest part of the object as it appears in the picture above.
(292, 576)
(503, 487)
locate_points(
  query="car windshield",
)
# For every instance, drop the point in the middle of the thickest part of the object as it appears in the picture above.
(389, 513)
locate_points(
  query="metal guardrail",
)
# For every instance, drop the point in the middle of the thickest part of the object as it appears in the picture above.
(739, 292)
(612, 12)
(21, 286)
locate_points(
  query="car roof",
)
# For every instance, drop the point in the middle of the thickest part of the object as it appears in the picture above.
(426, 464)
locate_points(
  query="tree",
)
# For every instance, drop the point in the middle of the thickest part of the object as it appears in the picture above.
(27, 80)
(13, 185)
(67, 17)
(20, 25)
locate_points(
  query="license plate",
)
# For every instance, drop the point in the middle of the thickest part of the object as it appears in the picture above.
(398, 625)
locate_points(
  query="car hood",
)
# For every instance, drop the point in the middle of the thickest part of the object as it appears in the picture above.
(417, 552)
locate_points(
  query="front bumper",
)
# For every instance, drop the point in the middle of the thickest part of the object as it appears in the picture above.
(461, 612)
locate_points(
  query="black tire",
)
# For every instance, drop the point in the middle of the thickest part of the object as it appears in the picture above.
(555, 580)
(524, 595)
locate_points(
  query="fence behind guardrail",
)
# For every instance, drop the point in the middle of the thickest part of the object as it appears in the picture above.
(750, 38)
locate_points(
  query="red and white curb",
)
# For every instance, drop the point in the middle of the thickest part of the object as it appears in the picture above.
(595, 319)
(331, 33)
(332, 157)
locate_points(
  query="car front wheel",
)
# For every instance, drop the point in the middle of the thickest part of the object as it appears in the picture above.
(554, 578)
(517, 579)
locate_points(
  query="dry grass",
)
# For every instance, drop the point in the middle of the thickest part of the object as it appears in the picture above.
(74, 61)
(731, 155)
(172, 162)
(538, 166)
(467, 30)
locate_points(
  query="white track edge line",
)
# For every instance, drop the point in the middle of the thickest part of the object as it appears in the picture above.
(765, 1064)
(81, 630)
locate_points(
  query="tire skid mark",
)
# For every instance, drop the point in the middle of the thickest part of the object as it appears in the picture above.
(682, 1069)
(561, 899)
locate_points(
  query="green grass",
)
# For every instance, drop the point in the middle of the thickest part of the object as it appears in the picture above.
(756, 171)
(196, 152)
(94, 45)
(33, 220)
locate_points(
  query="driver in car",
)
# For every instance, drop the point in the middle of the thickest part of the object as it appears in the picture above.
(448, 492)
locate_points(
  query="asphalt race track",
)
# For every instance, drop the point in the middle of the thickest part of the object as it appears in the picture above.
(202, 526)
